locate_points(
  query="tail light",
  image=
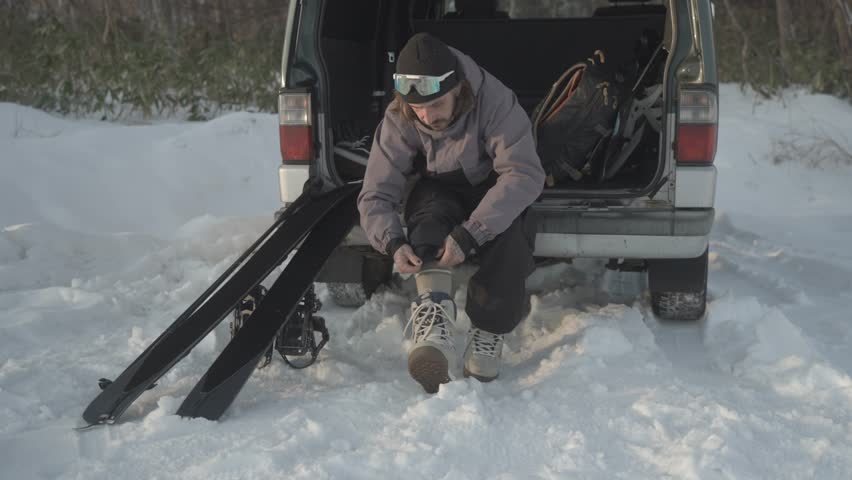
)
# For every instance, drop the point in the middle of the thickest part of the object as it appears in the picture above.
(294, 127)
(698, 120)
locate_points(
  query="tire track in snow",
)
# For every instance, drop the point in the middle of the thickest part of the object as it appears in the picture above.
(784, 273)
(814, 291)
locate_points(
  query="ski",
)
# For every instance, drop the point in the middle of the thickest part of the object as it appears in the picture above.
(243, 312)
(218, 388)
(214, 304)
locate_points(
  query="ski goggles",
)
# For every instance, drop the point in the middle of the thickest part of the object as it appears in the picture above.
(424, 84)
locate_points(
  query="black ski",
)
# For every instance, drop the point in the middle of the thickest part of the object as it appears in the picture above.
(214, 304)
(218, 388)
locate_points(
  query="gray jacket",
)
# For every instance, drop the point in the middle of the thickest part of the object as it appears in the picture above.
(496, 135)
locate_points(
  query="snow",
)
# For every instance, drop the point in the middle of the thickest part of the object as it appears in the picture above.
(109, 231)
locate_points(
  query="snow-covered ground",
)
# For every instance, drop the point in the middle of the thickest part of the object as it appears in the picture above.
(110, 231)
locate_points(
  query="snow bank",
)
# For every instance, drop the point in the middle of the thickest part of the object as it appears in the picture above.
(96, 177)
(761, 344)
(107, 232)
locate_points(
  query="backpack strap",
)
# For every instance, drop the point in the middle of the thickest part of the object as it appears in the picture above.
(562, 89)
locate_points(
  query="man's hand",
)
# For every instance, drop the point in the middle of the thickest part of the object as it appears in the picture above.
(406, 261)
(450, 254)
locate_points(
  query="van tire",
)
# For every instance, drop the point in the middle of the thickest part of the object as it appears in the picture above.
(682, 306)
(374, 273)
(678, 287)
(347, 294)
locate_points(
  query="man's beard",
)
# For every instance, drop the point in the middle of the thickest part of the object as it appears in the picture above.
(439, 125)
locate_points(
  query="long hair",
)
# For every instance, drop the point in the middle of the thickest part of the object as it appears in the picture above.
(465, 102)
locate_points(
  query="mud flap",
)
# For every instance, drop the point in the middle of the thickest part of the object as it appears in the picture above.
(678, 274)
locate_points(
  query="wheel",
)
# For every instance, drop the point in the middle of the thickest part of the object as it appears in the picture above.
(347, 294)
(678, 287)
(375, 271)
(686, 306)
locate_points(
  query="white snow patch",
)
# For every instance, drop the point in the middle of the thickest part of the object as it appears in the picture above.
(761, 344)
(605, 342)
(108, 232)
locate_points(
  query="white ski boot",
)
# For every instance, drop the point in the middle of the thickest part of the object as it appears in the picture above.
(482, 355)
(433, 315)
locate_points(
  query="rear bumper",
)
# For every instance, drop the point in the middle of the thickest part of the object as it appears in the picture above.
(674, 222)
(672, 233)
(560, 245)
(676, 233)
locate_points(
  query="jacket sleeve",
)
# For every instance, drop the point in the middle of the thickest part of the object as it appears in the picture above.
(508, 140)
(391, 159)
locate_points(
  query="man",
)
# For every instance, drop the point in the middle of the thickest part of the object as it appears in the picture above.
(470, 141)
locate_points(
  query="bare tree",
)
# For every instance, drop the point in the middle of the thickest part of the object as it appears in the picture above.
(745, 38)
(241, 18)
(786, 32)
(841, 11)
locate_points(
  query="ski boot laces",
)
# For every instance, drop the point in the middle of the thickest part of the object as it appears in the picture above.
(431, 320)
(486, 343)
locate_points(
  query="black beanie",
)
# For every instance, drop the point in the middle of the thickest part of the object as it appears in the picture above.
(424, 54)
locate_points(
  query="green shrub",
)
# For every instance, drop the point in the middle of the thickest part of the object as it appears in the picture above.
(814, 61)
(53, 68)
(130, 71)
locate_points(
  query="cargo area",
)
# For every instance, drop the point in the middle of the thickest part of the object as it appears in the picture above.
(526, 54)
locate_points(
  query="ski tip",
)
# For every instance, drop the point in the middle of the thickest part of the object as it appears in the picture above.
(89, 420)
(85, 427)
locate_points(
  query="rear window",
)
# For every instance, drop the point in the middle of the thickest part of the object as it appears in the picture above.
(520, 9)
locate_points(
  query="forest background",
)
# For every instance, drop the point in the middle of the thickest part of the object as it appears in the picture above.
(195, 58)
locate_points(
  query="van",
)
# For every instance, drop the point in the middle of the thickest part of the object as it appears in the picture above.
(653, 215)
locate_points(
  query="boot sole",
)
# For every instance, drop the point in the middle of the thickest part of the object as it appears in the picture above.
(482, 379)
(429, 367)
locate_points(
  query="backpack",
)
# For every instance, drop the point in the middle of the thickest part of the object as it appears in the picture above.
(572, 124)
(590, 122)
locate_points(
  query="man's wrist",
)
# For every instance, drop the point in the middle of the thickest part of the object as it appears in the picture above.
(465, 240)
(394, 244)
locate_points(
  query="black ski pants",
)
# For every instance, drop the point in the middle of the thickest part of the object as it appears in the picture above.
(496, 295)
